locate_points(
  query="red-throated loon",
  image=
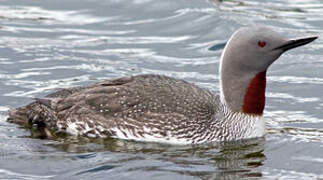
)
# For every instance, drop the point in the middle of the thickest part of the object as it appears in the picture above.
(163, 109)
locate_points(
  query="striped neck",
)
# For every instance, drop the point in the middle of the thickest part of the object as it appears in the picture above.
(239, 125)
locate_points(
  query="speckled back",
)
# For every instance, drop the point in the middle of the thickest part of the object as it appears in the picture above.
(158, 103)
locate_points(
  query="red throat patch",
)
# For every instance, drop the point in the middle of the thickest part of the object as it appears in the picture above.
(254, 99)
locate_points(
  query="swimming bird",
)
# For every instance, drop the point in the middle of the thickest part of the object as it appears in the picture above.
(163, 109)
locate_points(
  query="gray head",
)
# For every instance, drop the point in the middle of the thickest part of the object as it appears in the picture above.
(244, 62)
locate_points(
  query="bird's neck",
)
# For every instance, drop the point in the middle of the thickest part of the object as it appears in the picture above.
(243, 91)
(254, 98)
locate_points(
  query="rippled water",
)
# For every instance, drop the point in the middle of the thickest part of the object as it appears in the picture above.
(53, 44)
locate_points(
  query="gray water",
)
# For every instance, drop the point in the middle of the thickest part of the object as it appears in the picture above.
(45, 45)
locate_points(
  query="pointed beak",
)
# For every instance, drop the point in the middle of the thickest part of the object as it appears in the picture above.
(295, 43)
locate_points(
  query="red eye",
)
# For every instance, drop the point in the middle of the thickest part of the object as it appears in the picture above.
(261, 43)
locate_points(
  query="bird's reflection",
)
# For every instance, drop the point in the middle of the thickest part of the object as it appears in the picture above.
(226, 160)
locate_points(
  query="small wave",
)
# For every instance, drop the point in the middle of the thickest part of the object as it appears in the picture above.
(274, 173)
(15, 175)
(296, 80)
(96, 169)
(296, 98)
(49, 16)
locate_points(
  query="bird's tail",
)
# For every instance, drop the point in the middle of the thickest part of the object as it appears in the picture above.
(37, 116)
(19, 116)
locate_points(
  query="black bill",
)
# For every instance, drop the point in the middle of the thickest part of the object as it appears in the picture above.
(295, 43)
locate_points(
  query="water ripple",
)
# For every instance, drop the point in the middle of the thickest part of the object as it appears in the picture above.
(41, 86)
(96, 169)
(22, 75)
(282, 96)
(137, 40)
(46, 45)
(13, 175)
(290, 174)
(296, 80)
(283, 117)
(49, 16)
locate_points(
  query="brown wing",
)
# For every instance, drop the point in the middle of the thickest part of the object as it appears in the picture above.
(163, 104)
(138, 101)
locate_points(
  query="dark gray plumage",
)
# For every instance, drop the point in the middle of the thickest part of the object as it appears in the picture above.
(153, 104)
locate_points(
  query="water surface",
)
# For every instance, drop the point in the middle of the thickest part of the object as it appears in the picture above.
(45, 45)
